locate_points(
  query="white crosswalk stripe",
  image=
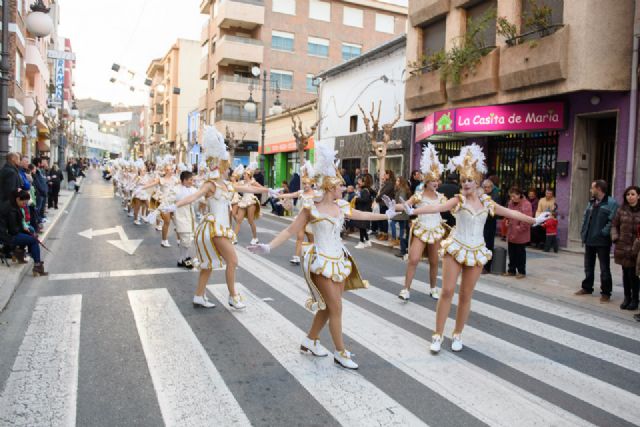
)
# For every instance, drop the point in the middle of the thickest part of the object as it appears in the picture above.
(351, 399)
(189, 387)
(575, 383)
(43, 384)
(488, 398)
(586, 345)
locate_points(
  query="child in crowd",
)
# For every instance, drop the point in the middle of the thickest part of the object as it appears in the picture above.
(551, 228)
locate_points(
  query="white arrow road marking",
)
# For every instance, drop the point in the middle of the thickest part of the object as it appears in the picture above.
(129, 246)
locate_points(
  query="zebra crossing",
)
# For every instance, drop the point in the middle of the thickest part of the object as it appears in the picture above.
(496, 380)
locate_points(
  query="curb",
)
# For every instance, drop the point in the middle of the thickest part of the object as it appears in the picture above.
(10, 286)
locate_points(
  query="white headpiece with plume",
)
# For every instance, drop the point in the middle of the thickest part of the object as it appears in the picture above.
(430, 165)
(470, 163)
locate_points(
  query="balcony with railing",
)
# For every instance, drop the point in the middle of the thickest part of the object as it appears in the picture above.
(233, 87)
(247, 14)
(204, 33)
(238, 50)
(34, 61)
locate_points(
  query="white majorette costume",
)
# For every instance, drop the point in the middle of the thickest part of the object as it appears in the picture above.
(249, 199)
(185, 222)
(428, 227)
(216, 221)
(466, 241)
(327, 255)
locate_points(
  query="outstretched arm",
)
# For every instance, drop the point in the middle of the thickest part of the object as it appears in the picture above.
(151, 184)
(430, 209)
(367, 216)
(208, 186)
(292, 230)
(511, 214)
(243, 188)
(295, 195)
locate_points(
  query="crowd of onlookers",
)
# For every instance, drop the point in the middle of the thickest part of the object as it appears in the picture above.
(28, 188)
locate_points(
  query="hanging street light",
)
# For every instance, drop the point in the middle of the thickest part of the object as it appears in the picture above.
(38, 22)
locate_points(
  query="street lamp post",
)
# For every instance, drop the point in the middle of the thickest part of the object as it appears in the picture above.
(250, 107)
(38, 23)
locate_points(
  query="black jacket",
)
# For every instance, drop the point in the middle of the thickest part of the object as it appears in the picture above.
(10, 221)
(363, 203)
(10, 181)
(596, 226)
(55, 178)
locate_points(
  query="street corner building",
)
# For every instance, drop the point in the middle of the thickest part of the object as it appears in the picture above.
(551, 103)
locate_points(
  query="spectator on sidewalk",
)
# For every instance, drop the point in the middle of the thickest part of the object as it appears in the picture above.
(403, 192)
(71, 177)
(518, 234)
(537, 233)
(490, 225)
(55, 179)
(624, 232)
(550, 227)
(23, 169)
(387, 188)
(42, 189)
(10, 176)
(364, 200)
(596, 238)
(546, 204)
(15, 233)
(450, 188)
(416, 179)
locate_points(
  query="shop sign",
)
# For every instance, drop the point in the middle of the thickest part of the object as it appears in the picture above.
(516, 117)
(285, 147)
(59, 84)
(493, 118)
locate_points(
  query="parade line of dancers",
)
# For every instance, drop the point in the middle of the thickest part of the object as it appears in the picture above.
(203, 206)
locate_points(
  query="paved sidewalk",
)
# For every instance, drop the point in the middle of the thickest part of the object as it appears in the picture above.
(549, 276)
(10, 278)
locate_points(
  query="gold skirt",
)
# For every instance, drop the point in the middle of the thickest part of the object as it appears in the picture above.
(208, 254)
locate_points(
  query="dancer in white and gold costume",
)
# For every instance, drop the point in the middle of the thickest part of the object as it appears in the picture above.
(464, 251)
(426, 230)
(249, 204)
(306, 198)
(328, 267)
(166, 184)
(141, 197)
(214, 234)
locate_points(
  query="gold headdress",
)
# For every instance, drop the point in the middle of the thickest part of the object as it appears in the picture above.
(470, 163)
(430, 165)
(307, 173)
(326, 166)
(215, 151)
(251, 169)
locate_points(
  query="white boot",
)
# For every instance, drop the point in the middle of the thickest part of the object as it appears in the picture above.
(165, 244)
(434, 293)
(237, 302)
(404, 294)
(456, 342)
(313, 346)
(436, 343)
(343, 358)
(202, 302)
(295, 260)
(255, 241)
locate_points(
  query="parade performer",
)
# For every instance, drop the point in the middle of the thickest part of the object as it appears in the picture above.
(141, 197)
(184, 219)
(249, 204)
(427, 230)
(464, 251)
(166, 183)
(306, 197)
(238, 172)
(328, 267)
(214, 234)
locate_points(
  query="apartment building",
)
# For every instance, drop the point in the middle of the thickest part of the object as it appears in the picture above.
(175, 90)
(550, 102)
(291, 40)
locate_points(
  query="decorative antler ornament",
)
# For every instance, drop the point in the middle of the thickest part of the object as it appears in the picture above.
(301, 136)
(372, 128)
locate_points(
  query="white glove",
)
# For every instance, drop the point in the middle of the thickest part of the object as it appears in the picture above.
(407, 207)
(542, 218)
(169, 208)
(387, 201)
(260, 249)
(274, 192)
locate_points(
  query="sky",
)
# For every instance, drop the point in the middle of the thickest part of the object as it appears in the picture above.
(127, 32)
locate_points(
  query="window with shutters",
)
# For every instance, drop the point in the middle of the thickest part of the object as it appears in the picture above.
(284, 6)
(318, 47)
(352, 17)
(282, 41)
(320, 10)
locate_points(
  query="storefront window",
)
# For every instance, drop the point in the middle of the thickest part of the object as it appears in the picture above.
(524, 160)
(393, 162)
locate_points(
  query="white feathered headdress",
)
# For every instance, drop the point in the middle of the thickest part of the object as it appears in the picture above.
(238, 171)
(215, 151)
(326, 170)
(470, 163)
(430, 165)
(307, 171)
(251, 169)
(140, 164)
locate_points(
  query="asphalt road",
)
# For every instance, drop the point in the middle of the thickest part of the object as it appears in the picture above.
(112, 339)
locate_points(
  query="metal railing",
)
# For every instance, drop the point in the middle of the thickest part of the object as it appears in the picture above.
(239, 79)
(244, 40)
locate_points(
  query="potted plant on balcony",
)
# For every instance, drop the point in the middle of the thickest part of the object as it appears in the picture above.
(507, 30)
(538, 19)
(427, 63)
(469, 49)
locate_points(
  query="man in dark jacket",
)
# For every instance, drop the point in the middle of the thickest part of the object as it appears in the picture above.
(596, 237)
(10, 176)
(450, 188)
(42, 188)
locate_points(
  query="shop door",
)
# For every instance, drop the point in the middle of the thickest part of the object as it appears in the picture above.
(593, 158)
(350, 165)
(527, 161)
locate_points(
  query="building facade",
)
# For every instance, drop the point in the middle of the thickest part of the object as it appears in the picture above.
(290, 40)
(546, 107)
(175, 90)
(373, 79)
